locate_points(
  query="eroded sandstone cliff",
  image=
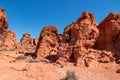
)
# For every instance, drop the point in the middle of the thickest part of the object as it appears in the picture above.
(3, 25)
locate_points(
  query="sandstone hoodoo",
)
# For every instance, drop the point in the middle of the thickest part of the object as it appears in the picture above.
(28, 42)
(48, 42)
(3, 25)
(82, 35)
(10, 40)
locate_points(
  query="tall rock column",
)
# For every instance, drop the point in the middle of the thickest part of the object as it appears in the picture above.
(48, 42)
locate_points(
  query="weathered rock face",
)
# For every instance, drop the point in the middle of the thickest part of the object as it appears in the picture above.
(48, 42)
(10, 40)
(82, 31)
(3, 21)
(27, 42)
(82, 35)
(94, 57)
(3, 25)
(109, 28)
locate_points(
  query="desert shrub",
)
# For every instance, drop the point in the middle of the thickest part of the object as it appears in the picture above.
(21, 57)
(33, 60)
(70, 76)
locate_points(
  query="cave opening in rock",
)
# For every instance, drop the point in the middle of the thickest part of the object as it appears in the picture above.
(68, 36)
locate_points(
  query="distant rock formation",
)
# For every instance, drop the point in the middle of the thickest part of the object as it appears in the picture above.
(48, 42)
(10, 40)
(3, 25)
(27, 42)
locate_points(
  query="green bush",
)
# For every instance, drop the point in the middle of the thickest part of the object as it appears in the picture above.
(21, 57)
(70, 76)
(33, 61)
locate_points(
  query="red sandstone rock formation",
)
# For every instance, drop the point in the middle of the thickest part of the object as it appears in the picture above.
(3, 25)
(7, 38)
(27, 42)
(78, 40)
(3, 21)
(82, 35)
(109, 38)
(10, 40)
(48, 42)
(109, 29)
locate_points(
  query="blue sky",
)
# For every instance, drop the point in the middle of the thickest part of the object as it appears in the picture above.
(30, 16)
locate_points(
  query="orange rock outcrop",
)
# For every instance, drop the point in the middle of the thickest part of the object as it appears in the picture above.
(78, 41)
(28, 42)
(10, 40)
(3, 25)
(7, 38)
(82, 35)
(48, 42)
(3, 21)
(109, 38)
(109, 29)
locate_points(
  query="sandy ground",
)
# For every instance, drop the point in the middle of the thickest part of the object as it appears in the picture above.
(12, 69)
